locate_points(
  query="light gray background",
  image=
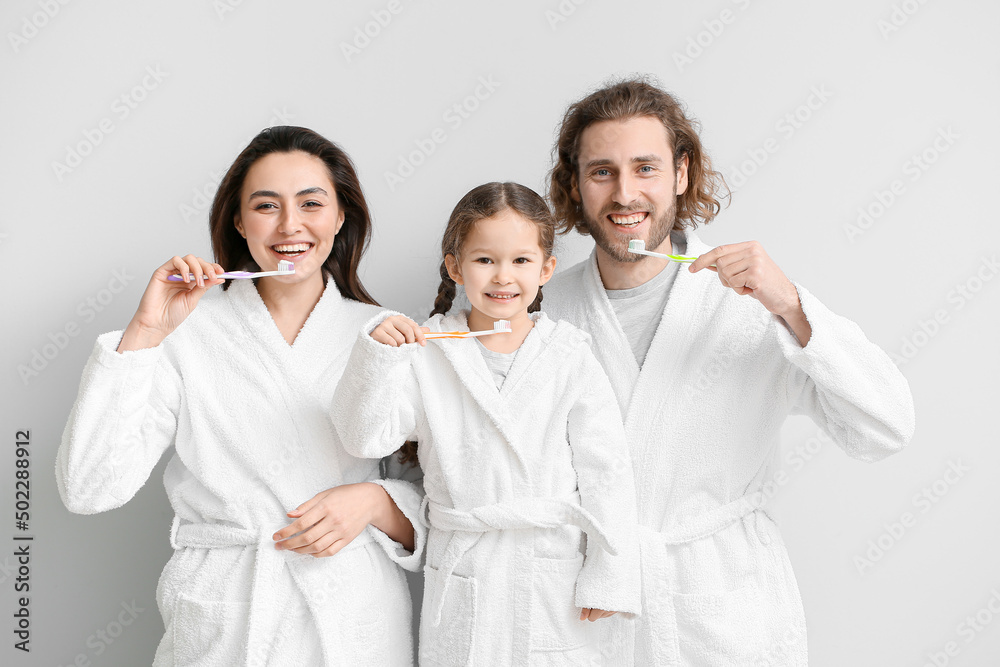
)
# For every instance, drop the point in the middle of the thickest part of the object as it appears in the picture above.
(885, 96)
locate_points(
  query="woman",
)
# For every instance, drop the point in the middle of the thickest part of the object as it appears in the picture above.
(242, 385)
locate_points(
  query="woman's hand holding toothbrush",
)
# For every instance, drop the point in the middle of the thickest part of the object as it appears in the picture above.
(165, 303)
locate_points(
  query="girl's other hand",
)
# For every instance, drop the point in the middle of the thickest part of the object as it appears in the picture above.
(166, 303)
(399, 330)
(594, 614)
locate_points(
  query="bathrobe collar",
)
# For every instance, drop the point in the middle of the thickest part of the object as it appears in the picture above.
(656, 375)
(326, 324)
(526, 374)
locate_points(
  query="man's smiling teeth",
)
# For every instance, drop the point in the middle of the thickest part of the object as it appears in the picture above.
(627, 220)
(501, 296)
(292, 249)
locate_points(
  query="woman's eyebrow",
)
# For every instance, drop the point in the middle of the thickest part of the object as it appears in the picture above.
(264, 193)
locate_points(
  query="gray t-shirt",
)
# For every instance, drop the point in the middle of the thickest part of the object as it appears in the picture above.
(498, 362)
(639, 309)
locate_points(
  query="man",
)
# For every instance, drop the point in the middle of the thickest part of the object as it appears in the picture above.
(707, 361)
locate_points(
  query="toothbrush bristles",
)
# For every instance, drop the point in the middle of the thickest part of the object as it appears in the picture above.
(284, 266)
(637, 245)
(501, 325)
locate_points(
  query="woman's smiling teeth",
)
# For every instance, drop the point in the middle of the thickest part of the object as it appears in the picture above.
(627, 219)
(291, 250)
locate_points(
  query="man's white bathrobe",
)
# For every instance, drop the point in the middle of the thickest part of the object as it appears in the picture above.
(703, 416)
(515, 478)
(249, 418)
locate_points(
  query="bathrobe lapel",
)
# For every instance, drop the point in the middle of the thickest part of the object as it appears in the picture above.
(613, 351)
(282, 363)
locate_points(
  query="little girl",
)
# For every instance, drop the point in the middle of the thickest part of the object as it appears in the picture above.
(521, 442)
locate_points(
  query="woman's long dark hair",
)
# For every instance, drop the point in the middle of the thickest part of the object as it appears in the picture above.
(352, 240)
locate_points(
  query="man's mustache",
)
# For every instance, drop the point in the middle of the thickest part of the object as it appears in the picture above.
(633, 208)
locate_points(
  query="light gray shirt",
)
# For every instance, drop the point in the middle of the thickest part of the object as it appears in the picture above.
(640, 309)
(498, 362)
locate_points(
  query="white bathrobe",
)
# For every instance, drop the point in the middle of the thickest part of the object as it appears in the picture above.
(515, 478)
(249, 418)
(703, 416)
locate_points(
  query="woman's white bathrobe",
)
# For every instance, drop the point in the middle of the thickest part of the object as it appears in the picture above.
(249, 418)
(514, 479)
(703, 417)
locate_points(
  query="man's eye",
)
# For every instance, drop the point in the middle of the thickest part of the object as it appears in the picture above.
(602, 172)
(646, 169)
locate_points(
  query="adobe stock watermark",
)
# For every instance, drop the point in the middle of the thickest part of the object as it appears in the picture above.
(923, 501)
(58, 340)
(957, 297)
(712, 29)
(562, 12)
(121, 108)
(365, 34)
(201, 197)
(968, 630)
(786, 127)
(103, 637)
(32, 24)
(224, 7)
(454, 116)
(899, 15)
(912, 170)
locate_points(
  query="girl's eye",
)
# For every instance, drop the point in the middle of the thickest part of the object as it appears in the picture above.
(521, 260)
(483, 260)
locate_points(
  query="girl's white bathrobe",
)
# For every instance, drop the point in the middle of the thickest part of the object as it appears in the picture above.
(703, 416)
(249, 418)
(515, 478)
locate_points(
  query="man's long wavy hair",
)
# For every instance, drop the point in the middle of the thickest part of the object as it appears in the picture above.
(351, 241)
(621, 101)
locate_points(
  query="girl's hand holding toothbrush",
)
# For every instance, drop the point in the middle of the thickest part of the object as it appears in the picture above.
(165, 303)
(399, 330)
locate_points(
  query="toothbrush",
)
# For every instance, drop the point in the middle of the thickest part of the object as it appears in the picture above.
(284, 268)
(639, 248)
(500, 326)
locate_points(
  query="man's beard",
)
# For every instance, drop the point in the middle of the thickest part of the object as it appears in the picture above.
(617, 248)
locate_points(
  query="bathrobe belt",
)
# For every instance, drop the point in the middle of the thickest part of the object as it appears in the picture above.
(468, 526)
(656, 630)
(267, 594)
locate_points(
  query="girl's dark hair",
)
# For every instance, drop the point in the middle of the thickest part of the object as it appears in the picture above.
(480, 203)
(484, 202)
(352, 240)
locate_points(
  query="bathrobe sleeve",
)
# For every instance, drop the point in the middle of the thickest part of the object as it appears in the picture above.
(124, 417)
(404, 484)
(376, 406)
(847, 384)
(607, 491)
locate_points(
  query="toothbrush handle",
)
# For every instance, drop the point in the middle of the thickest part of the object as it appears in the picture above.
(231, 275)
